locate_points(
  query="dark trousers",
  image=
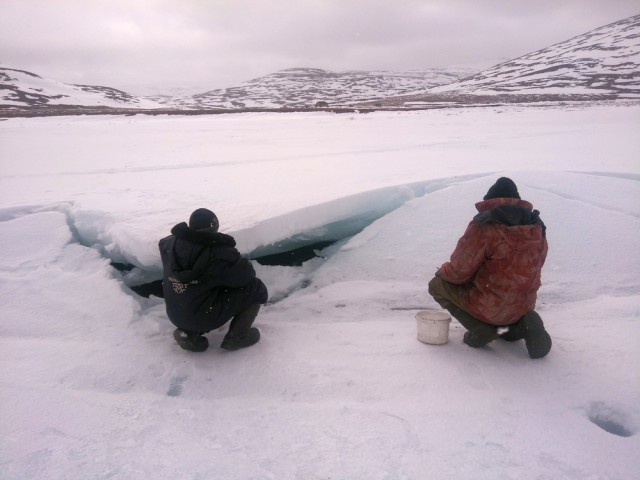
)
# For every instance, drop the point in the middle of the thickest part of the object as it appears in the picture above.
(241, 322)
(529, 327)
(450, 297)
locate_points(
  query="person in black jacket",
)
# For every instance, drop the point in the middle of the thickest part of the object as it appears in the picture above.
(206, 282)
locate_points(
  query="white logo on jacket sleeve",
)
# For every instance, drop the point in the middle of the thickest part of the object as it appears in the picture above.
(179, 287)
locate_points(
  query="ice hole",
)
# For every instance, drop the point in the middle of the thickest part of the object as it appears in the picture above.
(610, 419)
(295, 256)
(306, 245)
(344, 217)
(611, 427)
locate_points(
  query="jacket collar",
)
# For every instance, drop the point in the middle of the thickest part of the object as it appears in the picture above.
(202, 237)
(497, 202)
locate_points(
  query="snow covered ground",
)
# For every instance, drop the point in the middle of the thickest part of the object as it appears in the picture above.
(93, 386)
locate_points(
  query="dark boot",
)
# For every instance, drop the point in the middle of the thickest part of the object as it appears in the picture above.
(536, 338)
(478, 338)
(192, 341)
(241, 334)
(232, 342)
(514, 333)
(479, 334)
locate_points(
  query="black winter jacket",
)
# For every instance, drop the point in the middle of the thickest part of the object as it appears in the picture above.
(205, 279)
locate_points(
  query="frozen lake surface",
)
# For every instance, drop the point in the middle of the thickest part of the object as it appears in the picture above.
(93, 386)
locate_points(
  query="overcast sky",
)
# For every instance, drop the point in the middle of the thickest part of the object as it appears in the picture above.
(147, 46)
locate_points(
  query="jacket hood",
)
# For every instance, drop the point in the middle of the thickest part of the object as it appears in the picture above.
(510, 212)
(207, 236)
(189, 259)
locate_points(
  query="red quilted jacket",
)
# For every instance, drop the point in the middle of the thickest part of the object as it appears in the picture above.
(499, 259)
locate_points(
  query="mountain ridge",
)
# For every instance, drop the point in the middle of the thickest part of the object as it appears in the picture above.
(602, 64)
(300, 87)
(21, 88)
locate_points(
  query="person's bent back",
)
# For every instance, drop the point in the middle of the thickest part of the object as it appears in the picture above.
(493, 276)
(206, 282)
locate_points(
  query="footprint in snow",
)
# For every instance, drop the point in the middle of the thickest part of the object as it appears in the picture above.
(175, 387)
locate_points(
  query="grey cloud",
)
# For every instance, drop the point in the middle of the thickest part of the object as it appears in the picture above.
(210, 44)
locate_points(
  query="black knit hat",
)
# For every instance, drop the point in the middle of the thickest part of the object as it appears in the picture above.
(203, 218)
(503, 188)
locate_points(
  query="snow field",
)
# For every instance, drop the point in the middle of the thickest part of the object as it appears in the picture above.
(93, 386)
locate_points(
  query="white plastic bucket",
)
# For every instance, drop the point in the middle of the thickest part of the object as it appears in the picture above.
(433, 327)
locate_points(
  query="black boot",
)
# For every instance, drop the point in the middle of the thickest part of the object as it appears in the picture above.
(536, 338)
(479, 334)
(241, 334)
(478, 338)
(192, 341)
(514, 332)
(232, 342)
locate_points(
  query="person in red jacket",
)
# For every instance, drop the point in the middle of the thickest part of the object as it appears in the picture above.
(491, 282)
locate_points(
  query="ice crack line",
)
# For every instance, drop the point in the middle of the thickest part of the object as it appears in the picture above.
(597, 205)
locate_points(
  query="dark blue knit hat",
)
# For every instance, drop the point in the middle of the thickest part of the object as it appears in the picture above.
(503, 188)
(203, 218)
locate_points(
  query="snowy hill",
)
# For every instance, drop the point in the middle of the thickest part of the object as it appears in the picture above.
(296, 88)
(603, 63)
(19, 88)
(304, 87)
